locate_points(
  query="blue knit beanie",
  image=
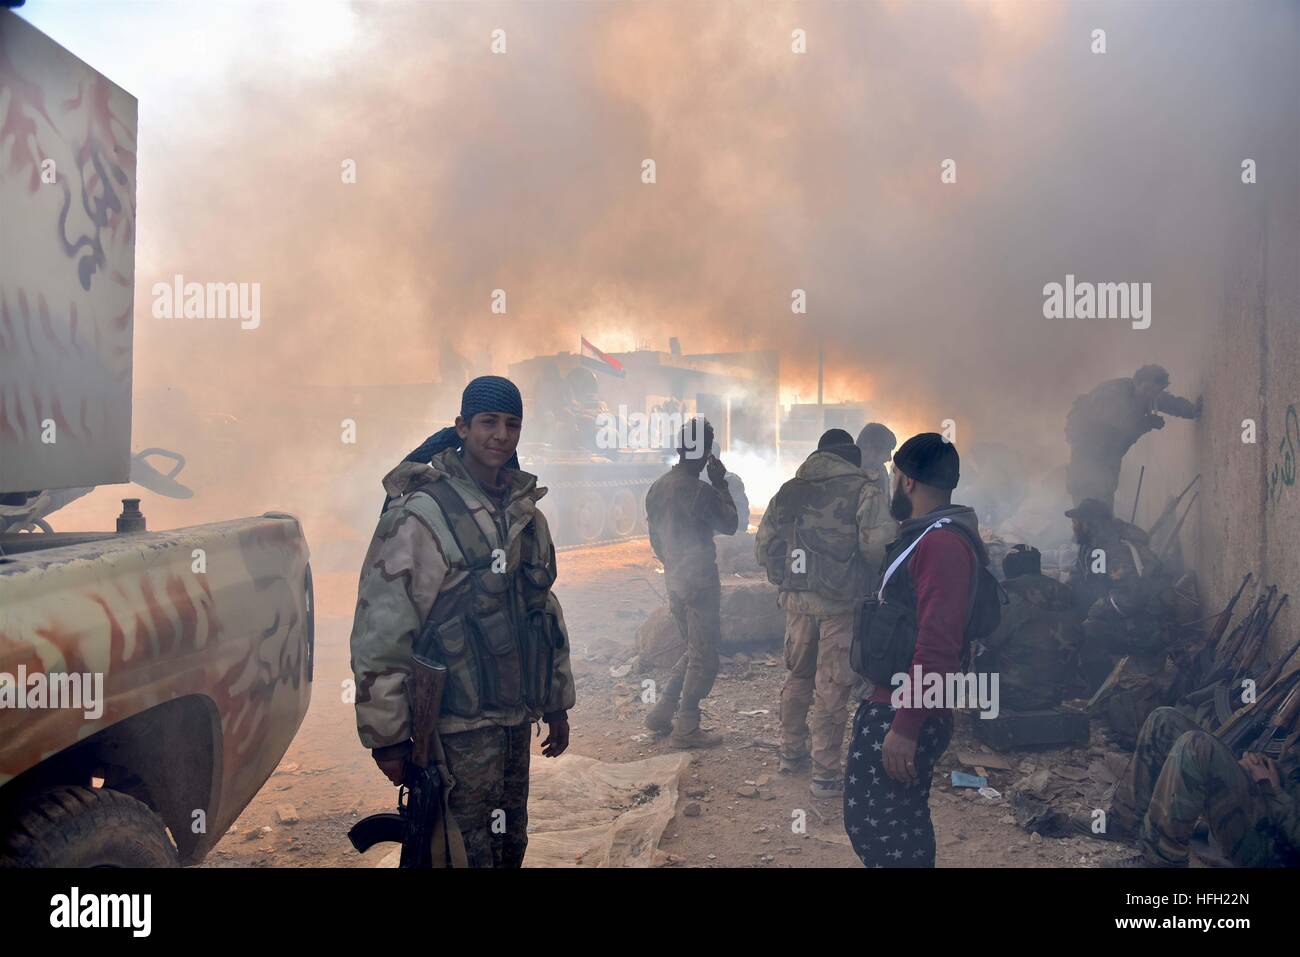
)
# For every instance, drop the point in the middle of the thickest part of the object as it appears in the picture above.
(491, 393)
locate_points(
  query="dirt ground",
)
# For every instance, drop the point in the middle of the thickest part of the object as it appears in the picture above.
(735, 809)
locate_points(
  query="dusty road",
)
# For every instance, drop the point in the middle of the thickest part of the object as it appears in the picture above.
(735, 810)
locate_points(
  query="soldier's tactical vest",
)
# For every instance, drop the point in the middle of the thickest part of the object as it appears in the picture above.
(493, 631)
(885, 625)
(817, 548)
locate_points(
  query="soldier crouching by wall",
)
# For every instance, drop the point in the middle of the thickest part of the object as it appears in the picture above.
(1034, 645)
(1117, 582)
(460, 570)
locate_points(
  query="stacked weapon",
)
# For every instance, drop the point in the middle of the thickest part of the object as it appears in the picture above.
(1257, 720)
(1236, 653)
(1279, 723)
(1264, 723)
(423, 824)
(1192, 658)
(1163, 534)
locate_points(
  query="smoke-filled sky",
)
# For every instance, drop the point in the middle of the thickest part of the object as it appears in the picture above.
(775, 171)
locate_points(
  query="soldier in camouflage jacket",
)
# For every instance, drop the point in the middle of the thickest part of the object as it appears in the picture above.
(460, 569)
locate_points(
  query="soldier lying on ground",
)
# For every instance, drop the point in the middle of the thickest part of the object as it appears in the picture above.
(1180, 774)
(460, 570)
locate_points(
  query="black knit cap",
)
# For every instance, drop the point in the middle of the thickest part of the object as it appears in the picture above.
(834, 437)
(930, 459)
(1022, 560)
(491, 393)
(839, 442)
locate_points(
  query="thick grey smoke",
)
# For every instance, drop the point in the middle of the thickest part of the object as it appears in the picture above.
(775, 171)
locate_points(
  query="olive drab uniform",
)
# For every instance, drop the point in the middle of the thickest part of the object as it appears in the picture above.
(1119, 586)
(1181, 774)
(1032, 650)
(821, 541)
(1102, 426)
(683, 514)
(464, 577)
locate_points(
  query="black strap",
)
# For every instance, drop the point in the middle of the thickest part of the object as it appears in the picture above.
(453, 505)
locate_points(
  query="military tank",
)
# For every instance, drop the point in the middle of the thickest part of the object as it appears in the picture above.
(594, 498)
(596, 492)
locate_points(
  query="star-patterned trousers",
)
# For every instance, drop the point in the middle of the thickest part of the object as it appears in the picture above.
(889, 823)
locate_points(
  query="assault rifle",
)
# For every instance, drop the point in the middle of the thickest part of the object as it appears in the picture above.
(1162, 533)
(1228, 653)
(1274, 708)
(1280, 722)
(1276, 669)
(1225, 616)
(1251, 649)
(423, 824)
(1195, 660)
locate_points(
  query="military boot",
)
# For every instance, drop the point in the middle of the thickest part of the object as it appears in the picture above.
(687, 732)
(794, 764)
(660, 718)
(826, 788)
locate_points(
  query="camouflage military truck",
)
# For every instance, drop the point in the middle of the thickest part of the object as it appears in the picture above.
(150, 682)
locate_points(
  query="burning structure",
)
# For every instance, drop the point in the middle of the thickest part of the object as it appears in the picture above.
(608, 422)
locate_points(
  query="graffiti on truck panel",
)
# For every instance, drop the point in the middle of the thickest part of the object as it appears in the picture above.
(1282, 475)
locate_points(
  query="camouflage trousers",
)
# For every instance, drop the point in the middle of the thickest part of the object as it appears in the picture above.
(698, 618)
(490, 796)
(818, 677)
(1178, 775)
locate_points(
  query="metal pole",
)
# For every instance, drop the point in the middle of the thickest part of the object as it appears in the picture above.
(821, 380)
(1137, 495)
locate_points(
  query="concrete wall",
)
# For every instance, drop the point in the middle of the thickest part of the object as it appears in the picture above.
(1249, 509)
(1245, 361)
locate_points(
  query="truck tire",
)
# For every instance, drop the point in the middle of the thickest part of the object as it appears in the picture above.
(70, 826)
